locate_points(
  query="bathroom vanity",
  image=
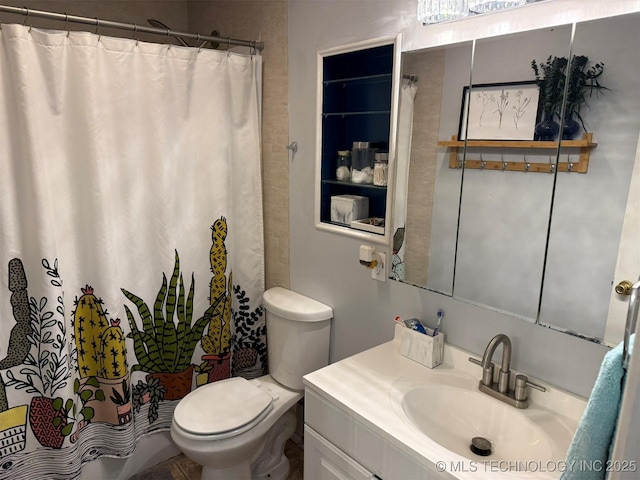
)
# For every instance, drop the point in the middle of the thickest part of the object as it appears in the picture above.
(381, 415)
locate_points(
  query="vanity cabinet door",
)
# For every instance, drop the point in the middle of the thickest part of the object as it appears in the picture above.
(323, 460)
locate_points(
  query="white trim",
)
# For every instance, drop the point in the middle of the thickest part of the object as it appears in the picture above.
(396, 40)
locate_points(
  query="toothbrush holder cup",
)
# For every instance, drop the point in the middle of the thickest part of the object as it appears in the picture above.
(421, 348)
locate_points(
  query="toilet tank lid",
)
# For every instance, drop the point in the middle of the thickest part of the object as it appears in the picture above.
(293, 306)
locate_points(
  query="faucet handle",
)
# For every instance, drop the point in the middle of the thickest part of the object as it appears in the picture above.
(475, 361)
(487, 373)
(522, 382)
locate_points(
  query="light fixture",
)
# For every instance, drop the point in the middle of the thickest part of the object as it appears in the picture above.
(434, 11)
(486, 6)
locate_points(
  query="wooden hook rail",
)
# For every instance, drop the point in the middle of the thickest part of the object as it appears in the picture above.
(581, 166)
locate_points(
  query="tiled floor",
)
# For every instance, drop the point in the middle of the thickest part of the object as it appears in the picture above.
(181, 468)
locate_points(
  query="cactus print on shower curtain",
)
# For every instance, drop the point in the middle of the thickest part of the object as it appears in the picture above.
(100, 343)
(97, 395)
(103, 387)
(217, 341)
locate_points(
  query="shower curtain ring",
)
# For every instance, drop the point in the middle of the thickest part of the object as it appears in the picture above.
(66, 23)
(198, 41)
(26, 17)
(135, 33)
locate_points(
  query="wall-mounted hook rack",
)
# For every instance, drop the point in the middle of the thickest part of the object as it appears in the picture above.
(585, 145)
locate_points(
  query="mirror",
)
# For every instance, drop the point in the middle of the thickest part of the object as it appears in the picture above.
(537, 246)
(504, 214)
(589, 210)
(428, 191)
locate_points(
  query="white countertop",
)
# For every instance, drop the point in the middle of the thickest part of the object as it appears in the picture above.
(362, 384)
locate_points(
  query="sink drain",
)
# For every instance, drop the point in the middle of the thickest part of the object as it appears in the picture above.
(480, 446)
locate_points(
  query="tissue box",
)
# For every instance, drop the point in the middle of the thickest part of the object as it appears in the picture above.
(421, 348)
(345, 208)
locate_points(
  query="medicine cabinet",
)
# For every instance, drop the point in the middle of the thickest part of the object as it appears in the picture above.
(357, 102)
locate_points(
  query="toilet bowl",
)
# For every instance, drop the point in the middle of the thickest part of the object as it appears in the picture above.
(237, 428)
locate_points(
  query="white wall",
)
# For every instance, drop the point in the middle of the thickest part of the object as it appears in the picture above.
(325, 266)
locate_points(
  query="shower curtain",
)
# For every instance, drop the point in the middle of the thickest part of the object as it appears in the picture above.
(403, 160)
(131, 240)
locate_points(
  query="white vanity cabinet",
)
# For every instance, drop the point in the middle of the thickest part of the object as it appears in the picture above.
(357, 425)
(339, 445)
(351, 430)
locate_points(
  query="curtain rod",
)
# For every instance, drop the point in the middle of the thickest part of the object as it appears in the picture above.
(63, 17)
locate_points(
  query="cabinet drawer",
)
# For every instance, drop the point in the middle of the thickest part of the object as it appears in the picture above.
(325, 461)
(363, 444)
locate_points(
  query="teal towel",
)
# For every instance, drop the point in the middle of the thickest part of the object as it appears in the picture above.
(589, 450)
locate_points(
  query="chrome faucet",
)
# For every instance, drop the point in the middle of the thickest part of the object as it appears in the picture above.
(518, 396)
(487, 364)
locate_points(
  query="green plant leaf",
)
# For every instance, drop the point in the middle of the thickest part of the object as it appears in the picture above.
(76, 386)
(87, 413)
(180, 304)
(153, 360)
(143, 311)
(85, 395)
(126, 389)
(57, 404)
(93, 381)
(68, 406)
(100, 395)
(66, 430)
(57, 421)
(116, 397)
(169, 346)
(159, 320)
(145, 348)
(189, 305)
(195, 335)
(171, 297)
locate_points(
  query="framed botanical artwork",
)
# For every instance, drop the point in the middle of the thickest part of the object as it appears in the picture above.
(499, 111)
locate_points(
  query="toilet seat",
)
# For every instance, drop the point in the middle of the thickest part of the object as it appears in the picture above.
(223, 409)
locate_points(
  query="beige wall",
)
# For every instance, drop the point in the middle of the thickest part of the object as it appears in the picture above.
(429, 67)
(265, 21)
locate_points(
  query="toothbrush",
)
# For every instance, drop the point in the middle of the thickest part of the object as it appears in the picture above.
(440, 315)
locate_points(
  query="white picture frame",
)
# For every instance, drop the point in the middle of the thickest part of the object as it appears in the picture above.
(499, 111)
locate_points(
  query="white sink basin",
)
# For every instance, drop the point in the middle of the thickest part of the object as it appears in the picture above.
(449, 409)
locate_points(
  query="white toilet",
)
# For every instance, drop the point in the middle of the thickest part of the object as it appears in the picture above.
(236, 428)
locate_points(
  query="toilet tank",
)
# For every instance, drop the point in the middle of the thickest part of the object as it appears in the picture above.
(298, 332)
